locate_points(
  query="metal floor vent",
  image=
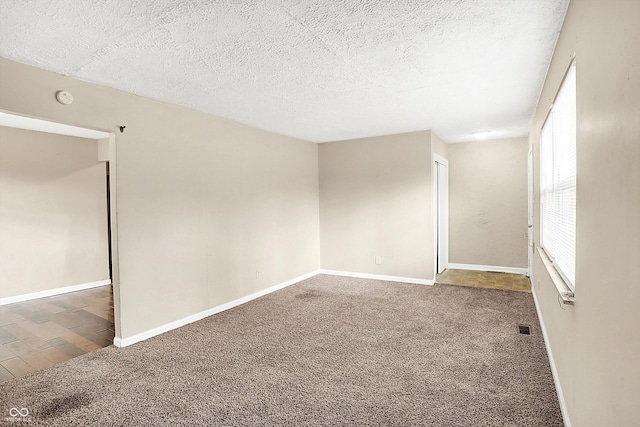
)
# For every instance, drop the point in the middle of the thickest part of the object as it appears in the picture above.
(524, 329)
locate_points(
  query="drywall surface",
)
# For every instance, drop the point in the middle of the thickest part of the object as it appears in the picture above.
(320, 70)
(439, 146)
(488, 202)
(53, 212)
(375, 200)
(596, 343)
(208, 210)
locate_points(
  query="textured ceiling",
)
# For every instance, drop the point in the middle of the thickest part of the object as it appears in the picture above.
(319, 70)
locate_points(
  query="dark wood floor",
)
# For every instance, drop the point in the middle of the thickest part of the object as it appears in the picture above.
(39, 333)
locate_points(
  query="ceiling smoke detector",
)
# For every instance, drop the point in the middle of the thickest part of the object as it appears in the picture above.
(64, 97)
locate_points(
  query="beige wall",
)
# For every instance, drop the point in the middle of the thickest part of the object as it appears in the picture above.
(375, 200)
(208, 210)
(53, 212)
(438, 146)
(596, 343)
(488, 202)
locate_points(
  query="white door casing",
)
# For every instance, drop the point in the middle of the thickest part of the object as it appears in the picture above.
(441, 199)
(530, 247)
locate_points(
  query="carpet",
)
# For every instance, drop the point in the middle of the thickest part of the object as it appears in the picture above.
(327, 351)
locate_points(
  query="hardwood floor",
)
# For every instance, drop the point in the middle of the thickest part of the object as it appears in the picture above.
(39, 333)
(485, 279)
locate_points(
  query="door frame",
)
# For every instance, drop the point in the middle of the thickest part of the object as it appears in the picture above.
(530, 191)
(440, 212)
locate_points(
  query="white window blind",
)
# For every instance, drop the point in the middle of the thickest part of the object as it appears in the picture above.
(558, 176)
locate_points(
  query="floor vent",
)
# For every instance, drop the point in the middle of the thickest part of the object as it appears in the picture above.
(524, 329)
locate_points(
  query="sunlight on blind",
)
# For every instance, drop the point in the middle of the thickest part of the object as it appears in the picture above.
(558, 174)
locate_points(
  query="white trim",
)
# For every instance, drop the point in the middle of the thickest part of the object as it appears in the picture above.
(562, 286)
(378, 277)
(124, 342)
(40, 125)
(439, 159)
(475, 267)
(554, 370)
(53, 292)
(436, 158)
(530, 210)
(434, 213)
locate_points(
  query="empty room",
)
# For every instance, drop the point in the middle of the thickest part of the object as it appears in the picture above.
(322, 213)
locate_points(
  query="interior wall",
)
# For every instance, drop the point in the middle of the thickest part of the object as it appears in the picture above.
(375, 200)
(208, 210)
(439, 146)
(53, 212)
(595, 343)
(488, 202)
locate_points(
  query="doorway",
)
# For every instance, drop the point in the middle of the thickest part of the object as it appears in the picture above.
(441, 199)
(81, 305)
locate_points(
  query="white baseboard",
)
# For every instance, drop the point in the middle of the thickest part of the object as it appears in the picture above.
(554, 370)
(378, 277)
(123, 342)
(476, 267)
(53, 292)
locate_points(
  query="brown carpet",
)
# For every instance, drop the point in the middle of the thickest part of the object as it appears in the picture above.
(327, 351)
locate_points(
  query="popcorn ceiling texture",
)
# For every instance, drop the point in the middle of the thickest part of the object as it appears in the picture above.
(317, 70)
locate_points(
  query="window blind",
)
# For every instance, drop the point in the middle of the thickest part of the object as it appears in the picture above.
(558, 176)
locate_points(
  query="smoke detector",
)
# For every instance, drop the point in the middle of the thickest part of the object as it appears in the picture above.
(64, 97)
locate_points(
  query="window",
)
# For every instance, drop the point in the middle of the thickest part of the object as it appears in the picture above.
(558, 180)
